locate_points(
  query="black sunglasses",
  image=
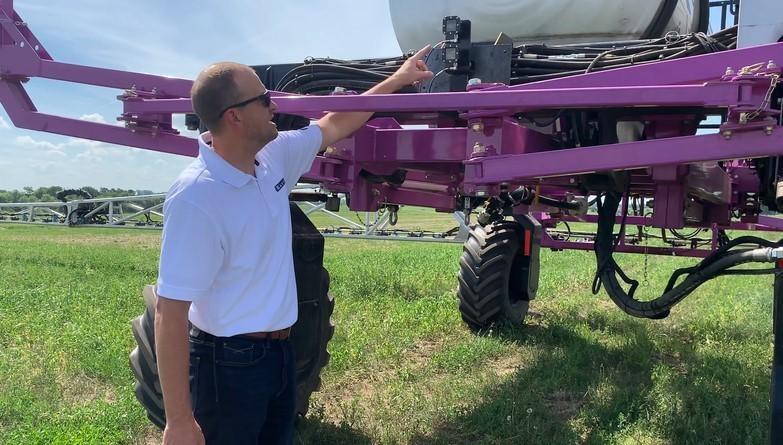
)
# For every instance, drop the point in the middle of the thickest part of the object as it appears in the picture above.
(265, 99)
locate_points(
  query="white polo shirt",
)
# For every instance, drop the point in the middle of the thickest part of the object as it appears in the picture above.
(227, 237)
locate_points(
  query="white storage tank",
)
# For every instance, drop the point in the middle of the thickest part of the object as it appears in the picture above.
(418, 22)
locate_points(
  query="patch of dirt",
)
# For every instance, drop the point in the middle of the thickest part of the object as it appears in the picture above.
(673, 360)
(506, 365)
(534, 315)
(564, 404)
(152, 436)
(342, 403)
(418, 355)
(82, 390)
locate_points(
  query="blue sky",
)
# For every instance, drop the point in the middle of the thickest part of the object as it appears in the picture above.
(173, 38)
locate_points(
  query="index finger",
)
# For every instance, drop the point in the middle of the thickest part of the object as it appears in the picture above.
(422, 52)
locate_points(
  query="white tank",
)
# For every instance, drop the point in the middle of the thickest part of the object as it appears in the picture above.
(419, 22)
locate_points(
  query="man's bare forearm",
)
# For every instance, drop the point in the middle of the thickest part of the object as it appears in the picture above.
(350, 121)
(173, 354)
(338, 125)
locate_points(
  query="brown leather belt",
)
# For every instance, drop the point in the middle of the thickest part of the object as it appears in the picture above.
(281, 334)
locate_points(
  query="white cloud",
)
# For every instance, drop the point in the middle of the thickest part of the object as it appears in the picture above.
(57, 153)
(29, 142)
(4, 123)
(93, 117)
(72, 162)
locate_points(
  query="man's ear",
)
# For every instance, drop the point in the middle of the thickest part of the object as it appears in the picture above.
(231, 117)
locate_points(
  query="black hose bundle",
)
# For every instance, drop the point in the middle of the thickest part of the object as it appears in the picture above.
(323, 75)
(529, 63)
(532, 63)
(718, 263)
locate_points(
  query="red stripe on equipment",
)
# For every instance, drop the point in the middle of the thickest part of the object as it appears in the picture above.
(526, 249)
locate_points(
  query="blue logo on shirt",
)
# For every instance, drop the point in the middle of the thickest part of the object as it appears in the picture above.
(280, 185)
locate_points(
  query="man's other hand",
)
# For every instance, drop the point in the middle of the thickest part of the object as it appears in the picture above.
(183, 433)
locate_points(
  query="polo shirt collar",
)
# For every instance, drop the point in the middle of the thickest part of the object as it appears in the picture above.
(219, 167)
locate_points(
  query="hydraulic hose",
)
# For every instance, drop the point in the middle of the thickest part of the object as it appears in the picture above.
(529, 63)
(719, 263)
(523, 195)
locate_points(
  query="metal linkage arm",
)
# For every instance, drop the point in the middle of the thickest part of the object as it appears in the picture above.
(22, 56)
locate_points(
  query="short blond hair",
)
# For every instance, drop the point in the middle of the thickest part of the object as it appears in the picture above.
(213, 90)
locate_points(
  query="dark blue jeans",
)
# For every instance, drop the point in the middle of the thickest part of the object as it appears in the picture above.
(243, 390)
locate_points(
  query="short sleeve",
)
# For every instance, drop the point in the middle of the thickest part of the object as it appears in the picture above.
(191, 252)
(296, 150)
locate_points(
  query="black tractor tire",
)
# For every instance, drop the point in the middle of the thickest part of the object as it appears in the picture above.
(63, 195)
(492, 287)
(310, 336)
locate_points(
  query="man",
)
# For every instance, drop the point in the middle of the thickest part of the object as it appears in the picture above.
(226, 262)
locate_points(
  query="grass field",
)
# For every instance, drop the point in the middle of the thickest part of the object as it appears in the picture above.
(404, 368)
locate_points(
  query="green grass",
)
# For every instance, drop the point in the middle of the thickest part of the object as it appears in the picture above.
(409, 218)
(404, 368)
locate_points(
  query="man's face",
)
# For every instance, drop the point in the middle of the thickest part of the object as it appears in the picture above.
(256, 117)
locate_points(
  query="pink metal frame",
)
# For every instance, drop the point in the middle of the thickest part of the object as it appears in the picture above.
(472, 145)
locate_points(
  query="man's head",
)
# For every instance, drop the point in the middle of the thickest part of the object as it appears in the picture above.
(230, 100)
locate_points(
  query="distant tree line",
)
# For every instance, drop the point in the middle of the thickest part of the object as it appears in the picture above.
(49, 194)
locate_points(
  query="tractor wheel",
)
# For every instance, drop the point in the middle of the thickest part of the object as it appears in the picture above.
(309, 336)
(493, 283)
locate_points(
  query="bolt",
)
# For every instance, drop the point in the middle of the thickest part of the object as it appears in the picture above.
(452, 178)
(477, 126)
(478, 147)
(339, 90)
(474, 81)
(771, 65)
(572, 181)
(726, 134)
(729, 71)
(768, 130)
(481, 193)
(375, 192)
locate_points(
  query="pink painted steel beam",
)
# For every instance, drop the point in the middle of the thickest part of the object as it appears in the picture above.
(714, 94)
(624, 156)
(550, 243)
(164, 86)
(24, 115)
